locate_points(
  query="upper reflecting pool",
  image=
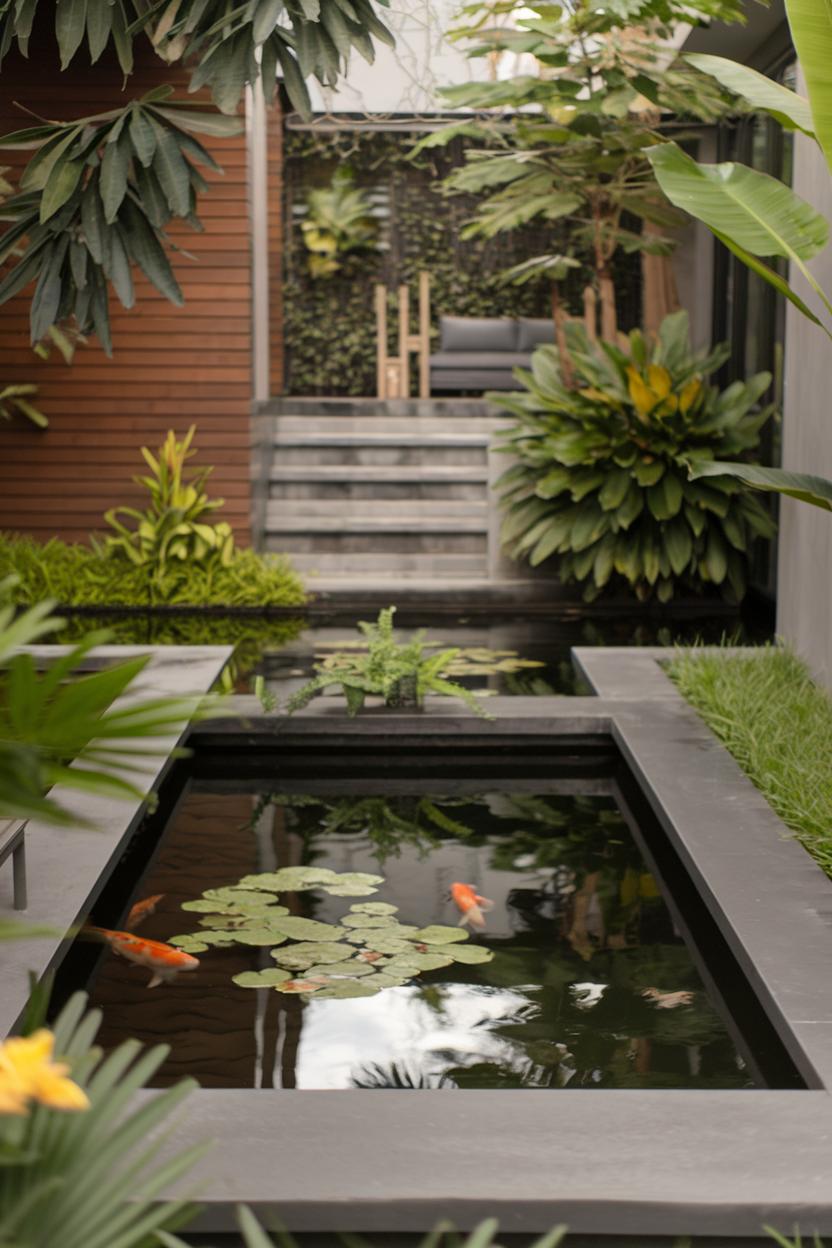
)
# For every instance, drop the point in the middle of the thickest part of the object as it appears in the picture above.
(579, 976)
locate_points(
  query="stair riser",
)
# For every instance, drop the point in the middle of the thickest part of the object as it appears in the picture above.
(431, 409)
(396, 568)
(382, 543)
(380, 455)
(436, 490)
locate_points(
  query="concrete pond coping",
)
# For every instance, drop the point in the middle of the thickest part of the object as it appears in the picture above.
(718, 1164)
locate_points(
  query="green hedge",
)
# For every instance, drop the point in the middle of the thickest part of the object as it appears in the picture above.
(79, 576)
(777, 723)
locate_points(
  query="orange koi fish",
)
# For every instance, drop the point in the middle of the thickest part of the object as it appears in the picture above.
(165, 961)
(471, 905)
(142, 910)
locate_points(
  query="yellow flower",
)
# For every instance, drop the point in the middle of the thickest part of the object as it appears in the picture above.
(660, 380)
(27, 1072)
(689, 394)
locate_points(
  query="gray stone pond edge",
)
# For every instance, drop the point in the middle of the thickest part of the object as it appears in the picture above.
(606, 1162)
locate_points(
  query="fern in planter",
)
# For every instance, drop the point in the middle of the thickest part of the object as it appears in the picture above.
(400, 674)
(601, 471)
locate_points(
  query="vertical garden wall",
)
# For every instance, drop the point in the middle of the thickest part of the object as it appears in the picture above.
(330, 321)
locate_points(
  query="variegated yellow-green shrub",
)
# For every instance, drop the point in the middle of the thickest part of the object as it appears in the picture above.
(601, 471)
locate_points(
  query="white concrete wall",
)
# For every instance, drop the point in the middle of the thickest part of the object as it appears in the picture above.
(804, 605)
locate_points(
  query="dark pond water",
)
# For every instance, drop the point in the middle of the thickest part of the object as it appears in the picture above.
(284, 651)
(580, 979)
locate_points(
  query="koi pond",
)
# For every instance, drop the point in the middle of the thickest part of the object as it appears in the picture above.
(322, 903)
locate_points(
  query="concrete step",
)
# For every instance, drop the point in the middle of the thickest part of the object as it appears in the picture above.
(383, 426)
(329, 452)
(389, 568)
(379, 437)
(314, 406)
(421, 474)
(400, 491)
(385, 516)
(348, 542)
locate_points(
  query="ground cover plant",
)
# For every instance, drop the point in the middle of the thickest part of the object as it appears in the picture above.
(777, 723)
(400, 673)
(602, 458)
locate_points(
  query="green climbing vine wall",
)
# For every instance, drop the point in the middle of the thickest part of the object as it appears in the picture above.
(330, 322)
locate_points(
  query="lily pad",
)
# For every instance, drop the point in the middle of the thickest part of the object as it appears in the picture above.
(255, 936)
(238, 896)
(384, 979)
(437, 934)
(343, 988)
(374, 907)
(204, 938)
(306, 953)
(290, 879)
(261, 979)
(352, 969)
(381, 942)
(300, 985)
(470, 955)
(188, 944)
(297, 928)
(369, 920)
(419, 961)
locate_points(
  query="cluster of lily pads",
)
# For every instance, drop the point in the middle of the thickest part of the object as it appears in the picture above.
(367, 950)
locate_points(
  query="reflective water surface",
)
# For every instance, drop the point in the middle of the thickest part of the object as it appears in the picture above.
(591, 984)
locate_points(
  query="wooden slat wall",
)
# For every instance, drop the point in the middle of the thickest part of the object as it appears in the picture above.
(171, 367)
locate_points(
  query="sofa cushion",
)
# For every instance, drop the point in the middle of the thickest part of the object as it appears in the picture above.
(477, 333)
(485, 361)
(534, 331)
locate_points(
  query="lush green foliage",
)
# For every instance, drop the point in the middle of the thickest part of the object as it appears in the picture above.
(601, 471)
(338, 223)
(330, 325)
(176, 526)
(402, 674)
(87, 1179)
(777, 723)
(76, 575)
(568, 140)
(756, 216)
(227, 46)
(51, 719)
(94, 200)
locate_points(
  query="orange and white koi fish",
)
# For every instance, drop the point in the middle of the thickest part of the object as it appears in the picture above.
(668, 1000)
(165, 961)
(471, 905)
(142, 910)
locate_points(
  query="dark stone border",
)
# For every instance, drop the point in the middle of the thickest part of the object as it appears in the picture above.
(605, 1162)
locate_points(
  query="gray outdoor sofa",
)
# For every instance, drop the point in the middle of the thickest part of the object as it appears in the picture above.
(479, 353)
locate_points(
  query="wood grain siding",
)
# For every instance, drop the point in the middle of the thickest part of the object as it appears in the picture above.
(171, 367)
(276, 227)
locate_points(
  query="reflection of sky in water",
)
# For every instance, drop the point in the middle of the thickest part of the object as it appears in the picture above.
(342, 1039)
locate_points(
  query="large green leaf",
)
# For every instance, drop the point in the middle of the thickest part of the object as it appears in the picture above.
(761, 214)
(800, 485)
(811, 26)
(790, 109)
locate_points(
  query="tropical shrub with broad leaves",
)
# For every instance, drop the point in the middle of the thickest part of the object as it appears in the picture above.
(176, 525)
(601, 471)
(77, 1170)
(400, 673)
(227, 46)
(60, 716)
(759, 218)
(339, 222)
(94, 200)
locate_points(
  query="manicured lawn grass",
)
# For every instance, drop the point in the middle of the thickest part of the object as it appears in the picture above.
(777, 723)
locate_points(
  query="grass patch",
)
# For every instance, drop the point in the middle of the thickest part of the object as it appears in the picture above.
(777, 723)
(78, 576)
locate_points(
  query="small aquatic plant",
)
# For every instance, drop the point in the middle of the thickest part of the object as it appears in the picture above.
(368, 950)
(400, 673)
